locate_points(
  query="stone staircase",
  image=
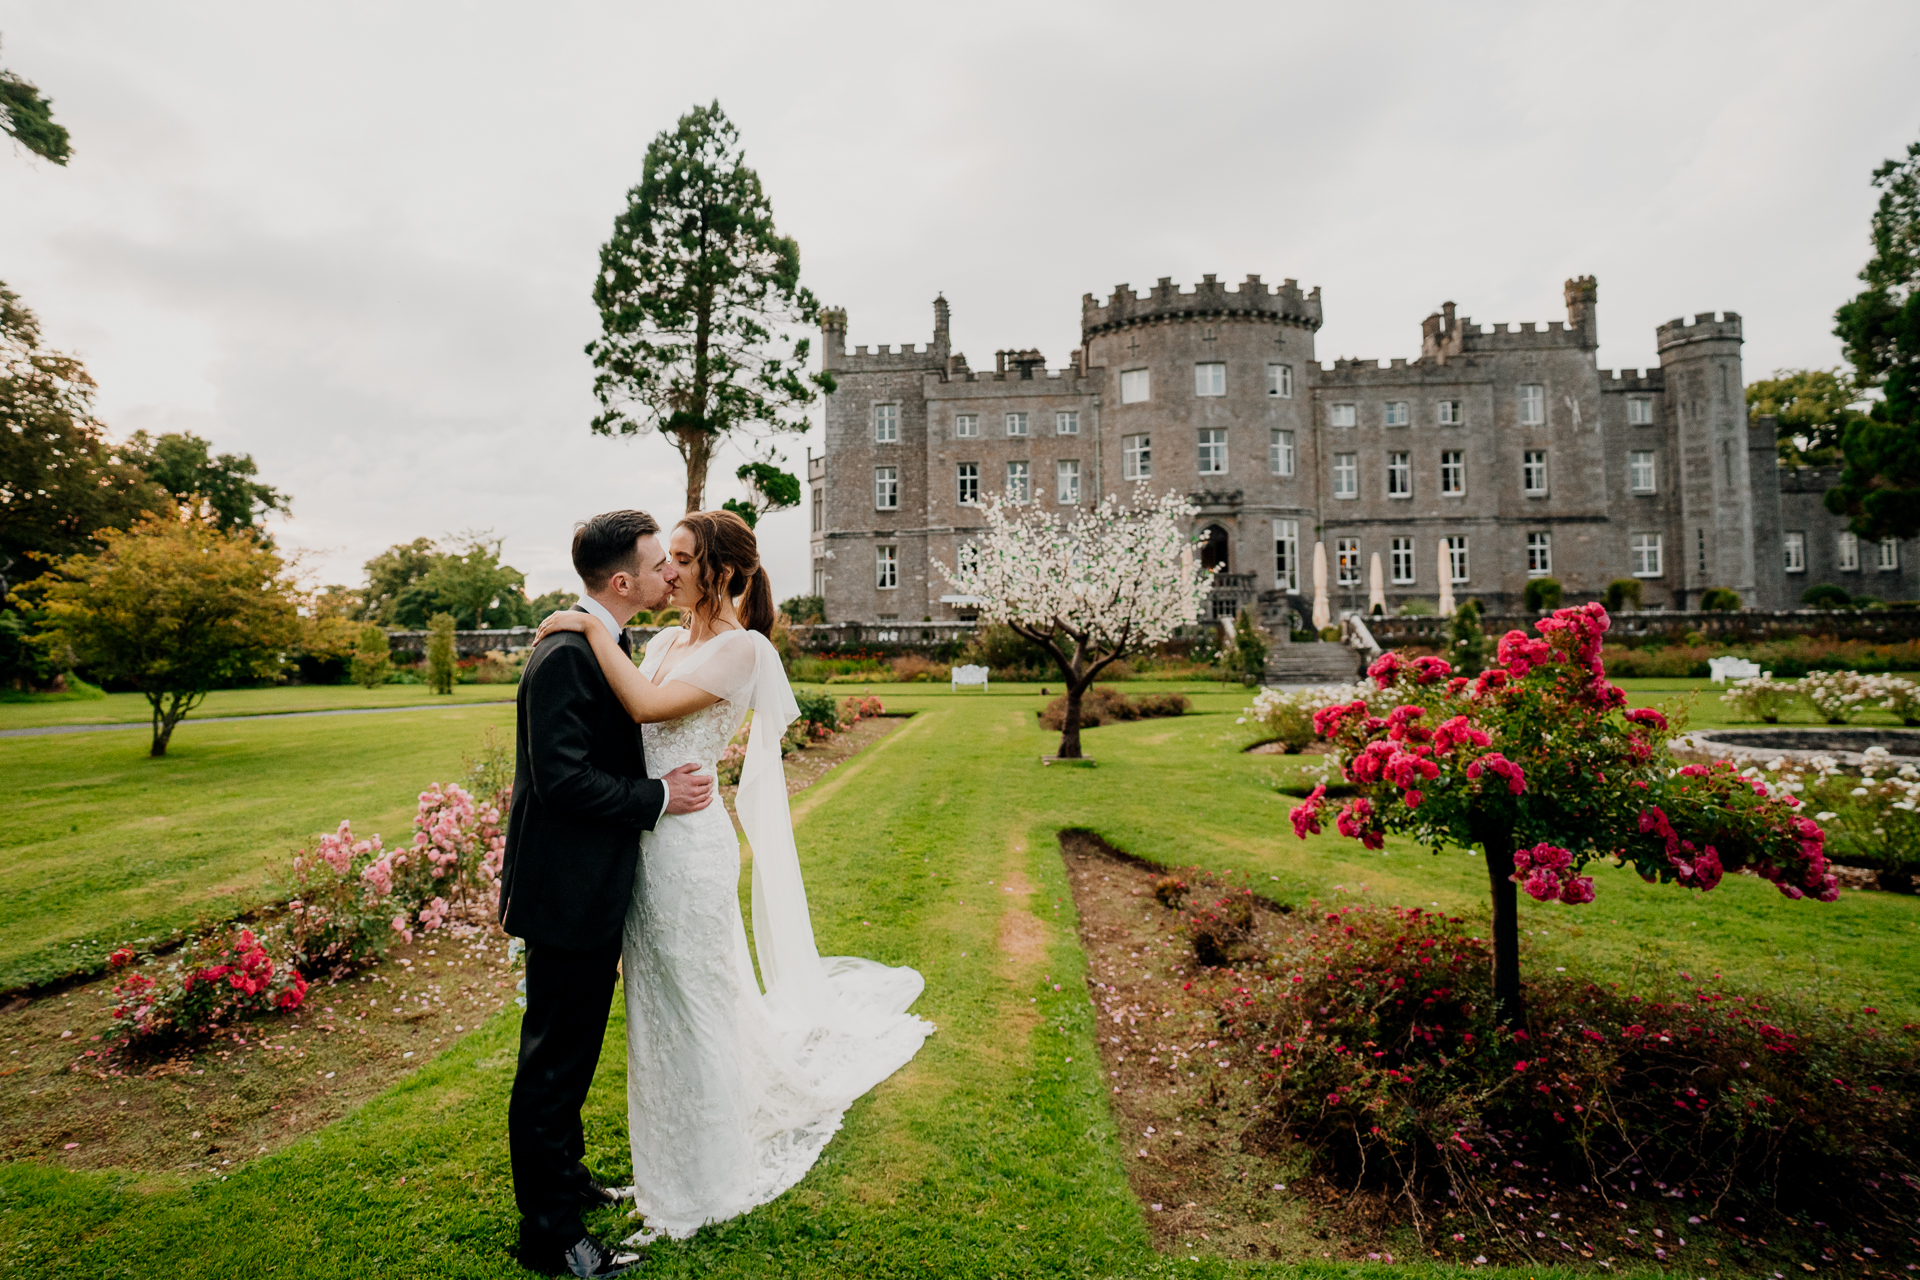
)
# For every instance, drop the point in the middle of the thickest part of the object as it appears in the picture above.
(1318, 663)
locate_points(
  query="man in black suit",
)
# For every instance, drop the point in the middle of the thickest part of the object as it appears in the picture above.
(581, 798)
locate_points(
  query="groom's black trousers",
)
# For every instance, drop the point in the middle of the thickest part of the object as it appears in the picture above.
(568, 995)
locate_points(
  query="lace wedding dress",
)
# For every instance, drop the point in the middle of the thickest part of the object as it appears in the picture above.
(732, 1090)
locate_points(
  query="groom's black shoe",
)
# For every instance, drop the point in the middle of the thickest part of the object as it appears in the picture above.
(597, 1196)
(585, 1257)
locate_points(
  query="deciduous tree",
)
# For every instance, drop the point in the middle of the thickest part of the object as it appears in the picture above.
(1811, 409)
(27, 118)
(185, 466)
(695, 288)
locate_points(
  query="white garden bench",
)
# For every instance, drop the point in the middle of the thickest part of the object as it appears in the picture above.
(1731, 668)
(969, 675)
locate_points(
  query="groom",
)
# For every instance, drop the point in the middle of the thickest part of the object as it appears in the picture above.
(581, 798)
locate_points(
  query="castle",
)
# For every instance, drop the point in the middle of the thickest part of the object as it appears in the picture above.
(1500, 453)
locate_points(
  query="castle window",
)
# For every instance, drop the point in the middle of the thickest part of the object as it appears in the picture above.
(1210, 379)
(819, 511)
(1700, 547)
(1646, 555)
(1280, 452)
(966, 425)
(1400, 561)
(1453, 472)
(1016, 424)
(1539, 555)
(1451, 413)
(1399, 475)
(886, 568)
(1066, 422)
(1346, 475)
(1457, 557)
(1847, 552)
(1134, 386)
(1341, 415)
(886, 488)
(1533, 404)
(1136, 457)
(969, 484)
(886, 423)
(1066, 480)
(1639, 411)
(1533, 473)
(1640, 471)
(1795, 545)
(1280, 381)
(820, 582)
(1889, 558)
(1346, 555)
(1286, 555)
(1213, 451)
(1396, 414)
(1019, 482)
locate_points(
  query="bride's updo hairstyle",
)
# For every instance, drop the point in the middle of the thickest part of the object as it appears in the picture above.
(727, 567)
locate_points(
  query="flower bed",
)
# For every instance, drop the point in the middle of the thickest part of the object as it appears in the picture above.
(1105, 705)
(1838, 697)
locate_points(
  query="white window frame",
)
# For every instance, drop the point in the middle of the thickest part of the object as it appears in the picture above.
(1136, 456)
(886, 567)
(1400, 473)
(1645, 552)
(1539, 555)
(1066, 481)
(1453, 473)
(886, 424)
(1642, 471)
(1280, 381)
(1888, 559)
(1639, 411)
(1286, 555)
(1533, 404)
(1213, 451)
(1346, 562)
(1066, 422)
(1457, 562)
(1019, 483)
(1450, 413)
(1341, 415)
(1016, 424)
(967, 483)
(1136, 386)
(1280, 452)
(1346, 475)
(1793, 544)
(1394, 414)
(1210, 378)
(886, 488)
(1400, 567)
(1531, 484)
(966, 426)
(1846, 551)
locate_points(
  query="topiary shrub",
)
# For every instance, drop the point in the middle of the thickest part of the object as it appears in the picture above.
(440, 653)
(1623, 594)
(1543, 595)
(1824, 596)
(1720, 600)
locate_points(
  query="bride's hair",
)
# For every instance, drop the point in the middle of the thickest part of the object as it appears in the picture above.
(727, 567)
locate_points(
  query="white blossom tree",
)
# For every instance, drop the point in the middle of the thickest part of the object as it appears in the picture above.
(1109, 582)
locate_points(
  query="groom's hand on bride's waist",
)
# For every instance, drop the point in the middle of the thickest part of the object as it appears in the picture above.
(688, 790)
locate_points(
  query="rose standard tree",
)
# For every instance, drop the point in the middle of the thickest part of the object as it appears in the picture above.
(1110, 582)
(1534, 764)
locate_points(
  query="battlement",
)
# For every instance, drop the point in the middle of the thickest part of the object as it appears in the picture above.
(1808, 479)
(1705, 327)
(1380, 374)
(905, 358)
(1209, 298)
(1623, 380)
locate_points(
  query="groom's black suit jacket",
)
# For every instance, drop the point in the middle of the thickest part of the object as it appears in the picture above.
(581, 798)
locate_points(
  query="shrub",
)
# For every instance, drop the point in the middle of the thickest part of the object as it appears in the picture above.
(1249, 659)
(1169, 891)
(440, 653)
(339, 916)
(1008, 654)
(733, 761)
(855, 709)
(1838, 696)
(1543, 595)
(1104, 704)
(916, 667)
(497, 667)
(1761, 697)
(1824, 596)
(372, 659)
(817, 710)
(805, 609)
(1873, 817)
(1221, 930)
(1720, 600)
(1623, 594)
(1284, 717)
(220, 978)
(1467, 643)
(1417, 607)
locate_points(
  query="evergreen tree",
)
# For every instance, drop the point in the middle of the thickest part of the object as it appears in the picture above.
(693, 287)
(441, 653)
(27, 118)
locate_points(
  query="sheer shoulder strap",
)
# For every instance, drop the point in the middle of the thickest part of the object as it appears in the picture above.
(727, 666)
(656, 650)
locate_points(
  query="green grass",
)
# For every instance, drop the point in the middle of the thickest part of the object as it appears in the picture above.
(133, 708)
(992, 1154)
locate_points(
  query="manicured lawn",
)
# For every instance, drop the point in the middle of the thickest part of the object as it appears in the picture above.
(132, 708)
(993, 1154)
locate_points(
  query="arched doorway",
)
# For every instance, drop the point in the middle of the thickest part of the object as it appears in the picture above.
(1213, 549)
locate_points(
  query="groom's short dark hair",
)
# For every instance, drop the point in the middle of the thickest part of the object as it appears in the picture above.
(606, 545)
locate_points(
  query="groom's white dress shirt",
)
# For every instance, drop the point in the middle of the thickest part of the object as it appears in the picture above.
(614, 629)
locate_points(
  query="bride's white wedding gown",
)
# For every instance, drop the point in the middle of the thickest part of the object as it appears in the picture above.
(732, 1091)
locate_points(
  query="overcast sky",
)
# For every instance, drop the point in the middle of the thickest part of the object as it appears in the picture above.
(357, 240)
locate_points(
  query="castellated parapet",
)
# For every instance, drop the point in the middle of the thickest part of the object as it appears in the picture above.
(1705, 327)
(1208, 300)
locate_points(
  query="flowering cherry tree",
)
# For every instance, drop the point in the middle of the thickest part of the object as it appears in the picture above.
(1090, 590)
(1535, 763)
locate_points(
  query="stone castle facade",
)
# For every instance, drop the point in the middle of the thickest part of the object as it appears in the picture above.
(1503, 453)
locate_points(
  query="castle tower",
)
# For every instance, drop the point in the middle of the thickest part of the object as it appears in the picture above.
(833, 336)
(1582, 294)
(1707, 399)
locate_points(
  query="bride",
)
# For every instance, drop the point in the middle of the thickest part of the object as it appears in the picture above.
(734, 1083)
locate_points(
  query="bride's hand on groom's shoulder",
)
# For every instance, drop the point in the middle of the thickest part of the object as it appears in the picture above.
(565, 620)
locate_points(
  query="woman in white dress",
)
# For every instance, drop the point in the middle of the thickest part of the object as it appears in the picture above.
(733, 1088)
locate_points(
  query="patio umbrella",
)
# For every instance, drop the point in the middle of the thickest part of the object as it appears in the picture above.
(1376, 590)
(1322, 613)
(1446, 581)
